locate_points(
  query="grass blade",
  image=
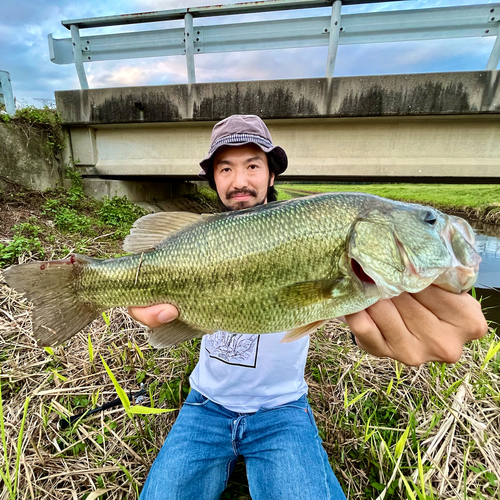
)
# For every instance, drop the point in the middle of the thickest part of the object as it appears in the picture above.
(121, 393)
(19, 446)
(146, 410)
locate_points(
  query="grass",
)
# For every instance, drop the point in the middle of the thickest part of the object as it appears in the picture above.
(479, 201)
(382, 416)
(390, 431)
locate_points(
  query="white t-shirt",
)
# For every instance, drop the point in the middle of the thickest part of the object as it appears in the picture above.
(244, 372)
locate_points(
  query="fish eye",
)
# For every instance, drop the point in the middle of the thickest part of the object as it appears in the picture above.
(430, 218)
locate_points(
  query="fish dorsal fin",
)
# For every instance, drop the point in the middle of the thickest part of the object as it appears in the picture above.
(301, 331)
(148, 231)
(173, 333)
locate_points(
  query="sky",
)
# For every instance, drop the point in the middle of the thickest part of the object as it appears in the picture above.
(24, 52)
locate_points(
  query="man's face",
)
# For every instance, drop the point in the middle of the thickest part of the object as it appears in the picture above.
(241, 175)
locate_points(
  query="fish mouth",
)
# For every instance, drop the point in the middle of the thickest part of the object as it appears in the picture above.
(360, 273)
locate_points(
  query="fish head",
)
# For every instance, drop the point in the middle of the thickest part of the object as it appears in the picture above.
(405, 248)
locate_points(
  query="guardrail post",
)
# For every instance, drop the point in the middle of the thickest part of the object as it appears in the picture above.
(8, 96)
(77, 55)
(189, 40)
(334, 38)
(495, 53)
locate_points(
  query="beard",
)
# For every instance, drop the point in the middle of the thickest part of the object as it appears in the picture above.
(240, 205)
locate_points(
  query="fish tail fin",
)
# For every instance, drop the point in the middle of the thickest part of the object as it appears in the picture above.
(58, 312)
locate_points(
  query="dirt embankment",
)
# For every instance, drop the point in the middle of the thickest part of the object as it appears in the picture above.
(17, 205)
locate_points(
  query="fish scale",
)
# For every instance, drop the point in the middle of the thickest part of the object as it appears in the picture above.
(276, 267)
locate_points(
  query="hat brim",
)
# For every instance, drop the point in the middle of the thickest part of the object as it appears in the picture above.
(281, 159)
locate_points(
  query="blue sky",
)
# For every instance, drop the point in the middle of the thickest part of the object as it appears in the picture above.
(25, 24)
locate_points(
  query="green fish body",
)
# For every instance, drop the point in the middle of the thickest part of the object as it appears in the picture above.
(284, 266)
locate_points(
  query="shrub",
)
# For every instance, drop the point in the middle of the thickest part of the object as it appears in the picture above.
(119, 213)
(17, 247)
(68, 219)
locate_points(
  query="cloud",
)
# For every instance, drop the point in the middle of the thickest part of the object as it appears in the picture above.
(151, 71)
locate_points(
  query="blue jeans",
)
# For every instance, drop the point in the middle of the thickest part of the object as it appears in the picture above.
(281, 448)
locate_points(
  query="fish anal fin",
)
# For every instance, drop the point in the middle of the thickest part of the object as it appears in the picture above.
(301, 331)
(150, 230)
(173, 333)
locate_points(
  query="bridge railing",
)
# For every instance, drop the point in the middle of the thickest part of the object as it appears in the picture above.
(332, 31)
(6, 95)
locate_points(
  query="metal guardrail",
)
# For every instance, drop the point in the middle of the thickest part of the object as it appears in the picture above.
(331, 31)
(6, 95)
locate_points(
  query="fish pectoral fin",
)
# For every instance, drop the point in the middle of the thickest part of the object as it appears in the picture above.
(150, 230)
(308, 293)
(301, 331)
(173, 333)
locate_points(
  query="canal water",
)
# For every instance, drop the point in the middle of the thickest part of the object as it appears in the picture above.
(488, 282)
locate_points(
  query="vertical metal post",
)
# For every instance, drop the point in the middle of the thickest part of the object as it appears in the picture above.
(189, 40)
(495, 53)
(77, 56)
(334, 38)
(8, 96)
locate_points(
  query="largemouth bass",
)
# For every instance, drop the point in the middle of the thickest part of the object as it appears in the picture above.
(285, 266)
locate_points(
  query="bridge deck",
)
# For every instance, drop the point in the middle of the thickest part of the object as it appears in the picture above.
(442, 126)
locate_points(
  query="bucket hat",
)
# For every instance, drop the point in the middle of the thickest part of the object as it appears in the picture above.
(237, 130)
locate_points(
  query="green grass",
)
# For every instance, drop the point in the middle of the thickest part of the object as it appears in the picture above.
(479, 198)
(414, 433)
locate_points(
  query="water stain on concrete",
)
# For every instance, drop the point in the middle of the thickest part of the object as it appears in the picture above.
(277, 103)
(490, 82)
(428, 98)
(387, 95)
(135, 107)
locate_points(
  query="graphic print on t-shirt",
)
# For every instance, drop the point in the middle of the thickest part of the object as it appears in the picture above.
(239, 349)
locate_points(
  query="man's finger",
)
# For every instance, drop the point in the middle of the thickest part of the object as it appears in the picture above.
(460, 310)
(414, 314)
(154, 316)
(400, 332)
(367, 334)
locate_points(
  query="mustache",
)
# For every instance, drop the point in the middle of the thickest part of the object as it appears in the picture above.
(235, 192)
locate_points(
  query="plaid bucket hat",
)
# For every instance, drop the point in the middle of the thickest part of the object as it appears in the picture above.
(237, 130)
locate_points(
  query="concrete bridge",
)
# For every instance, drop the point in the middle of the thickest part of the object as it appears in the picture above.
(420, 127)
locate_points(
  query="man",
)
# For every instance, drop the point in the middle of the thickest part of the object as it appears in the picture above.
(248, 392)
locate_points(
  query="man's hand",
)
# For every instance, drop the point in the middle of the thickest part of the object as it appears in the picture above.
(432, 325)
(154, 316)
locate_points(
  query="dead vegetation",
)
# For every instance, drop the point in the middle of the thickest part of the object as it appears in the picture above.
(377, 417)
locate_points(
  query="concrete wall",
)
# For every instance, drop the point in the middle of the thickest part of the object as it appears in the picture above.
(26, 159)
